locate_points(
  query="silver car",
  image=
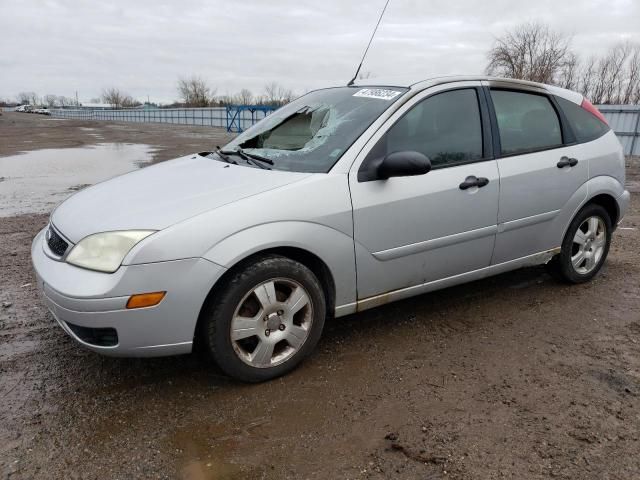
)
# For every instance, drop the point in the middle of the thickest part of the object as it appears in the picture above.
(344, 199)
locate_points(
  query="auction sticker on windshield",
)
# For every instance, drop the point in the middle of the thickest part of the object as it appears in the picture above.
(380, 93)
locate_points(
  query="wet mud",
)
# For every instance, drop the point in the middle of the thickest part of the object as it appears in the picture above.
(515, 376)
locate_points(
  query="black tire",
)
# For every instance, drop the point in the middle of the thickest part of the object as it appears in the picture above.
(561, 266)
(216, 321)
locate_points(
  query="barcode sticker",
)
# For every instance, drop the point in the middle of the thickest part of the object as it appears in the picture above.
(379, 93)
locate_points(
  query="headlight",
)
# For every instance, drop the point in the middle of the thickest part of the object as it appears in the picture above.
(105, 251)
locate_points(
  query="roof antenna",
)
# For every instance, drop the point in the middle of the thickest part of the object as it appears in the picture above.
(367, 49)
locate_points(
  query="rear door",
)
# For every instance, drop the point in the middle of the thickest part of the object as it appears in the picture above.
(539, 175)
(413, 230)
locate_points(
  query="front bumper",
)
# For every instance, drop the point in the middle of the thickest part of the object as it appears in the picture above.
(86, 301)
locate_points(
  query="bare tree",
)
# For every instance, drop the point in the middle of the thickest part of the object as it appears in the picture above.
(530, 51)
(65, 101)
(114, 97)
(24, 97)
(271, 92)
(224, 100)
(195, 92)
(51, 100)
(631, 91)
(30, 98)
(276, 95)
(610, 75)
(534, 52)
(568, 74)
(129, 102)
(245, 97)
(586, 77)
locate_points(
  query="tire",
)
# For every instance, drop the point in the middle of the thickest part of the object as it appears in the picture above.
(245, 307)
(568, 266)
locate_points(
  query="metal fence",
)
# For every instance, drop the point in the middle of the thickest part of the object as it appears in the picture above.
(623, 119)
(209, 117)
(625, 122)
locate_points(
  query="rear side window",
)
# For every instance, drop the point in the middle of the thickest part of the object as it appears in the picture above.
(445, 127)
(526, 122)
(585, 126)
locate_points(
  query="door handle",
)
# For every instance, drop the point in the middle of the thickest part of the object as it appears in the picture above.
(567, 162)
(473, 181)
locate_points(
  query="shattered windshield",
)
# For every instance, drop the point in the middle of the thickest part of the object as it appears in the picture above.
(311, 133)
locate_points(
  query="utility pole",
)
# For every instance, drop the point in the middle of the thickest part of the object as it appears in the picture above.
(77, 103)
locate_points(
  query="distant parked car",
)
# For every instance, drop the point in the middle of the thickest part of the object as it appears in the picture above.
(20, 108)
(345, 199)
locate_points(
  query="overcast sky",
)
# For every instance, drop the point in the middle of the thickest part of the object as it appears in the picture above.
(143, 46)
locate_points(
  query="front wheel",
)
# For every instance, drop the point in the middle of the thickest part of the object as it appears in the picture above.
(265, 320)
(585, 246)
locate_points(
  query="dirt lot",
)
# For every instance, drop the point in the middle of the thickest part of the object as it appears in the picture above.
(21, 132)
(515, 376)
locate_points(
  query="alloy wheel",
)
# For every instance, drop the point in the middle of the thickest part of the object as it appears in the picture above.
(589, 244)
(271, 322)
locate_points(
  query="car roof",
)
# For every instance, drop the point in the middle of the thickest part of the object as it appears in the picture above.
(422, 83)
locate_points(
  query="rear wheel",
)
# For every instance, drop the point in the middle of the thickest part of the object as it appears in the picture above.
(585, 246)
(266, 319)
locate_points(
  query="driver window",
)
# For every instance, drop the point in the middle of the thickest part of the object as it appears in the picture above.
(445, 127)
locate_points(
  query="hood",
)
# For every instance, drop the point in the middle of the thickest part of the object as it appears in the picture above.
(161, 195)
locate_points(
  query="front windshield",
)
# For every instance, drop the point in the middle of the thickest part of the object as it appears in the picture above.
(311, 133)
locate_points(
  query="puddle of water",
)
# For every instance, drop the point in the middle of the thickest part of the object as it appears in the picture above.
(35, 182)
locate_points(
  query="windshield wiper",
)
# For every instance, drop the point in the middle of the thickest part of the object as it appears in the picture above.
(250, 157)
(254, 156)
(224, 156)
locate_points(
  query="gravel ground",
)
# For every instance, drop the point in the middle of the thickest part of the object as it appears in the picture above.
(515, 376)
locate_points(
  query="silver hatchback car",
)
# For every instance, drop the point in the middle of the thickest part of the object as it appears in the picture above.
(344, 199)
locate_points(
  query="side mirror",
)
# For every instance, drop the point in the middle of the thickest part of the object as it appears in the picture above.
(397, 164)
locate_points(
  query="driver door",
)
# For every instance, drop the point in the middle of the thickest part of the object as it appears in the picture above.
(410, 231)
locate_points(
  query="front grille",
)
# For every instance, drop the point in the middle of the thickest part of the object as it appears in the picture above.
(56, 244)
(100, 337)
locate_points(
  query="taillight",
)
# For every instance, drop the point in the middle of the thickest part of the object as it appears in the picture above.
(586, 104)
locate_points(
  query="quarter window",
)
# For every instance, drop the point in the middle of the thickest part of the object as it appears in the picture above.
(445, 127)
(527, 122)
(585, 126)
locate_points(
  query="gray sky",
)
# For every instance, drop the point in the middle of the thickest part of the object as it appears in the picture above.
(143, 46)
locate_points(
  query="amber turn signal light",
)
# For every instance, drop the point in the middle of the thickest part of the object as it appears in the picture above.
(142, 300)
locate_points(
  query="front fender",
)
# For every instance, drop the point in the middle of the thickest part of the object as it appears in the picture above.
(333, 247)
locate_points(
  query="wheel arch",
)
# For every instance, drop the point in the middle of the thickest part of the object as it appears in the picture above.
(305, 257)
(326, 251)
(310, 260)
(609, 203)
(601, 190)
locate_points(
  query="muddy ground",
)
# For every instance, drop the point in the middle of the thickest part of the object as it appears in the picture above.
(515, 376)
(21, 132)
